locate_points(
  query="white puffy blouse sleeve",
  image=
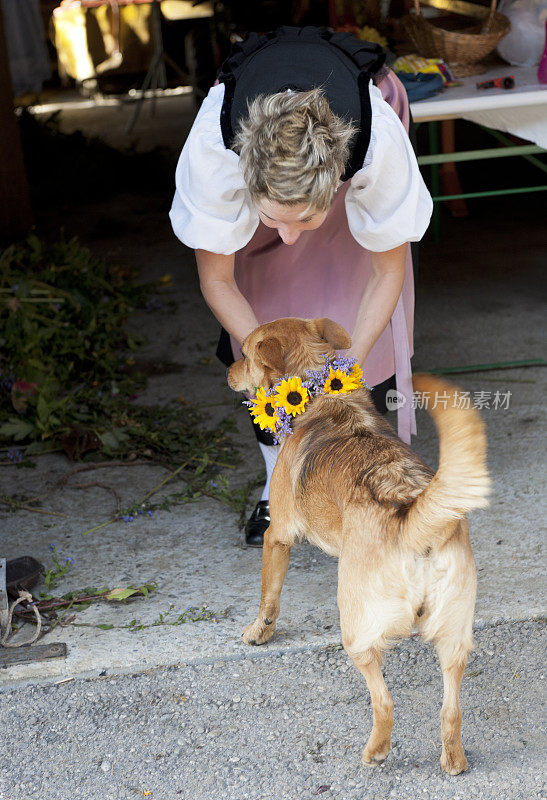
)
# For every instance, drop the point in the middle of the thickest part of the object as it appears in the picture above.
(212, 209)
(387, 203)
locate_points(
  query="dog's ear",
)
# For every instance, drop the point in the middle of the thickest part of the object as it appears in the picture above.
(271, 353)
(333, 333)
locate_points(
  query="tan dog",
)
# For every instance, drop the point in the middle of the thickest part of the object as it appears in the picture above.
(347, 483)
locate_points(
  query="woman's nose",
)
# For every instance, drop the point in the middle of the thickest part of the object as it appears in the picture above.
(288, 236)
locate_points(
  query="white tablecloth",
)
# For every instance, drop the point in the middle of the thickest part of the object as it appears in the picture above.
(521, 111)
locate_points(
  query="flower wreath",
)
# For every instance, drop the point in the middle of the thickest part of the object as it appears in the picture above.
(274, 409)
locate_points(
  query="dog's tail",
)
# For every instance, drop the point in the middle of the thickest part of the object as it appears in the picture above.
(461, 482)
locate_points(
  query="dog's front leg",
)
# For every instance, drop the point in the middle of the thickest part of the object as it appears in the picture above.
(275, 560)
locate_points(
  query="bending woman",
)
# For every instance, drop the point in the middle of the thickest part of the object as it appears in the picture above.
(300, 192)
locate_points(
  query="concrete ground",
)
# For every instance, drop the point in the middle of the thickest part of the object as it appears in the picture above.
(479, 301)
(280, 727)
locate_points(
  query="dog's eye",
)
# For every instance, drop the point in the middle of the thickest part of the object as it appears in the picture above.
(243, 356)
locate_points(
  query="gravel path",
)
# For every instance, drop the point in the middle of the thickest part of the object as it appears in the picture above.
(280, 727)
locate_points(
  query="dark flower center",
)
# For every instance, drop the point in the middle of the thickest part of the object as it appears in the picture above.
(294, 398)
(336, 384)
(269, 409)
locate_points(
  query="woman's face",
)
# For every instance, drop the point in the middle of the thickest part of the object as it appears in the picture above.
(289, 221)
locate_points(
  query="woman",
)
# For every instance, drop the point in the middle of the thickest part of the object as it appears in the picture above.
(299, 190)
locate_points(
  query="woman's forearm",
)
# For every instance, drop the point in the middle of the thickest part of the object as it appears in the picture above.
(220, 292)
(378, 301)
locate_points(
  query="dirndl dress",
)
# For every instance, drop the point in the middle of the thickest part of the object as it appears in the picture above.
(324, 273)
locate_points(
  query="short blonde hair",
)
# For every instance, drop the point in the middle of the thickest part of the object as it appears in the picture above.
(293, 149)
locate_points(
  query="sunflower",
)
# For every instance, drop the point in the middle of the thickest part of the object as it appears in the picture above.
(263, 410)
(291, 396)
(339, 382)
(356, 375)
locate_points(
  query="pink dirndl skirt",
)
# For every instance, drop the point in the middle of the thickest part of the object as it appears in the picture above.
(324, 274)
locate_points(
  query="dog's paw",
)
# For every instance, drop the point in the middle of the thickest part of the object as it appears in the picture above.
(258, 632)
(453, 761)
(374, 755)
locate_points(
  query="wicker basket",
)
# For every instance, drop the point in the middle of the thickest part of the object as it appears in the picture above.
(462, 50)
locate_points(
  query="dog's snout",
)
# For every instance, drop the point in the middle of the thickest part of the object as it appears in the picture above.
(233, 376)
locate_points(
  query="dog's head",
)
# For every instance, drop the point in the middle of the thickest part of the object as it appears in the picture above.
(285, 346)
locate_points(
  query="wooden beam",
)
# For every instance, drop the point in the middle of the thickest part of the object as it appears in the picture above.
(36, 652)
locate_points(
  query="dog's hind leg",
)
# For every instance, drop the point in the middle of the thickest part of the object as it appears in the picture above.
(379, 741)
(448, 623)
(453, 660)
(275, 561)
(366, 618)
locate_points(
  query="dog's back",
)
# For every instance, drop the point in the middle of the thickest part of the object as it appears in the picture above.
(345, 454)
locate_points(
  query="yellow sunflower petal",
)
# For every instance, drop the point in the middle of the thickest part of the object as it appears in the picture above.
(263, 410)
(259, 401)
(267, 421)
(357, 374)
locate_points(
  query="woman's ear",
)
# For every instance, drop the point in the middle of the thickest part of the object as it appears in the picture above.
(333, 333)
(271, 354)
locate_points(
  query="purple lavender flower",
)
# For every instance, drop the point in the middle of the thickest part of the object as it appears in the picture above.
(344, 363)
(69, 560)
(284, 424)
(15, 455)
(316, 379)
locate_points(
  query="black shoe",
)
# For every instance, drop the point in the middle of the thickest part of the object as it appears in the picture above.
(257, 524)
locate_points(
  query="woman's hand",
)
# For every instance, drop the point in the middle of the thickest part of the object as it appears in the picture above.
(379, 300)
(219, 289)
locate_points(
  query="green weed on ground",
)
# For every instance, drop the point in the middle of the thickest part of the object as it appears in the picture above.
(65, 383)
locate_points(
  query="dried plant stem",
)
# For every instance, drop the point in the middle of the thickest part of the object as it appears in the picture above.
(57, 621)
(96, 465)
(20, 507)
(166, 480)
(143, 499)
